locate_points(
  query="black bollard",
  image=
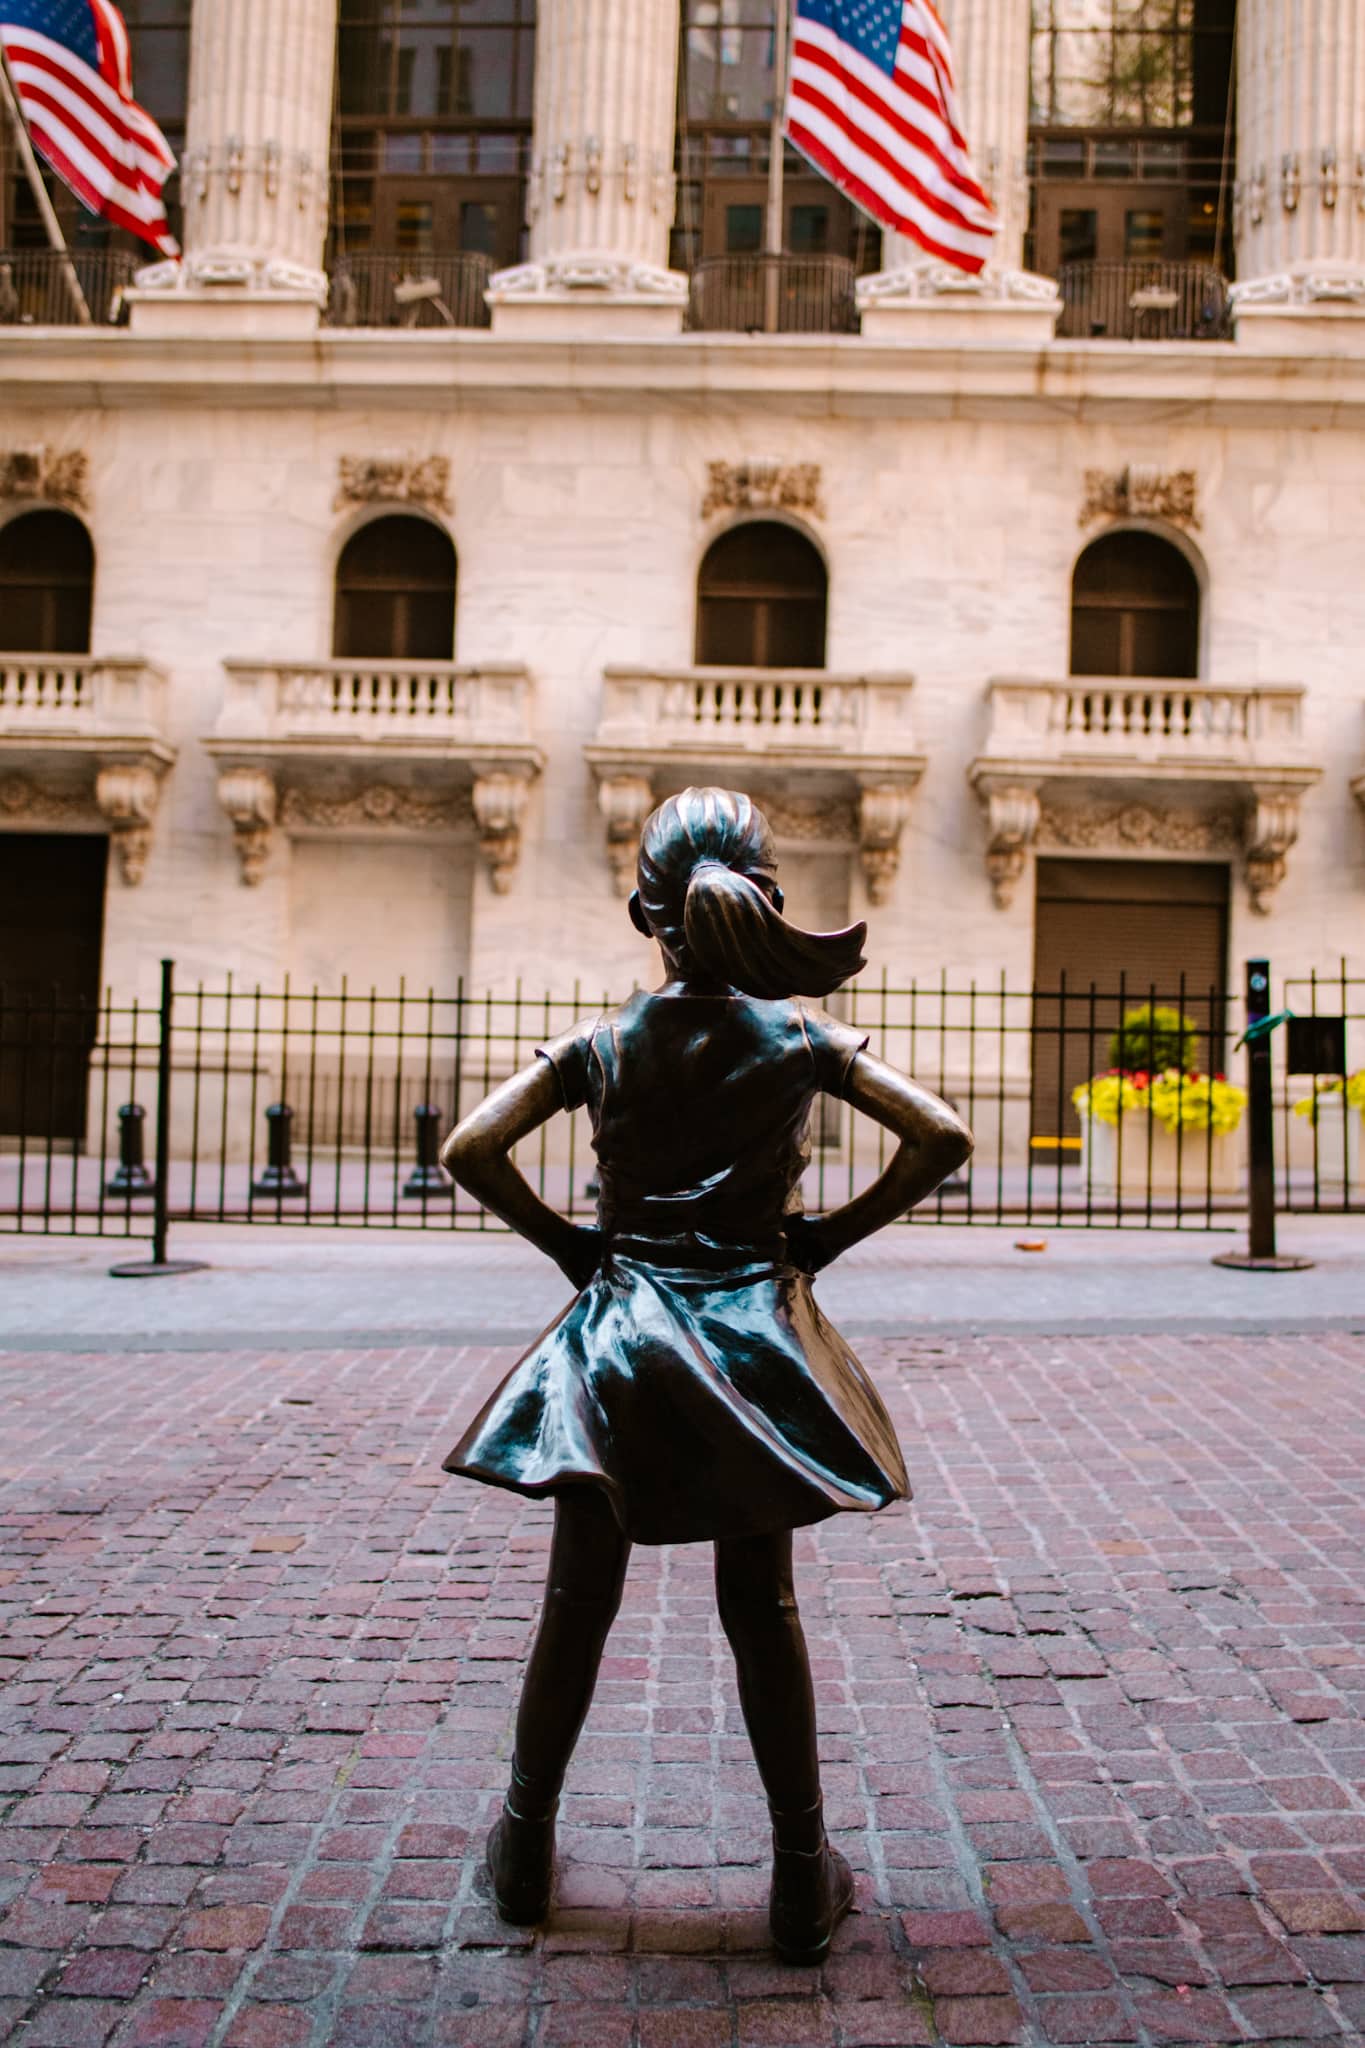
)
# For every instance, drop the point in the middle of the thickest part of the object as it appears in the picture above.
(428, 1177)
(279, 1178)
(1261, 1254)
(132, 1177)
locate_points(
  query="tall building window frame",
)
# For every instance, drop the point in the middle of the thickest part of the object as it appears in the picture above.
(1138, 596)
(763, 598)
(395, 590)
(47, 582)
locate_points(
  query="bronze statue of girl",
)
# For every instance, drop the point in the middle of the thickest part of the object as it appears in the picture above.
(693, 1392)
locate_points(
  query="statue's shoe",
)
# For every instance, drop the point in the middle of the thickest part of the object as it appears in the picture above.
(521, 1867)
(811, 1893)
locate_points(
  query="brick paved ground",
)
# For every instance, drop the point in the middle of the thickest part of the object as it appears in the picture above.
(1092, 1712)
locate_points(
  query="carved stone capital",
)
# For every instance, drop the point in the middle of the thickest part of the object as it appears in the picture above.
(248, 797)
(126, 793)
(883, 809)
(1012, 812)
(913, 283)
(500, 800)
(625, 801)
(1272, 826)
(763, 484)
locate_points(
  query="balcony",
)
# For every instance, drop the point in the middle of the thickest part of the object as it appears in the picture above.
(773, 295)
(83, 747)
(844, 742)
(36, 291)
(355, 747)
(1133, 764)
(1153, 301)
(403, 290)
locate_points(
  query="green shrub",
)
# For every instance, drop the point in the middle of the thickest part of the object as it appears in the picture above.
(1152, 1038)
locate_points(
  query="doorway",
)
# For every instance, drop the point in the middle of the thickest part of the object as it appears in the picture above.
(51, 941)
(1134, 932)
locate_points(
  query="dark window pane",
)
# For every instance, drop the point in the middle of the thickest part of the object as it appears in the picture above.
(743, 229)
(1135, 609)
(395, 596)
(1144, 232)
(762, 599)
(808, 234)
(1080, 234)
(47, 569)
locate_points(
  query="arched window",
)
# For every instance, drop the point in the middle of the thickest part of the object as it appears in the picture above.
(47, 579)
(395, 594)
(761, 599)
(1134, 609)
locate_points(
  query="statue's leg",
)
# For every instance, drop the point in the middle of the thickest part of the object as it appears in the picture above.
(812, 1884)
(588, 1558)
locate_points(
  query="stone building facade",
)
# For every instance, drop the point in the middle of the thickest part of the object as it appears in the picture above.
(884, 648)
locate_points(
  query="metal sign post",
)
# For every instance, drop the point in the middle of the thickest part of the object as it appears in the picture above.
(1261, 1255)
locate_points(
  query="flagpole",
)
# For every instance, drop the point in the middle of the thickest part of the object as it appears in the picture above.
(41, 194)
(774, 237)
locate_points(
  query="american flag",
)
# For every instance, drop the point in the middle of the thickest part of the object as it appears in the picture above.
(72, 71)
(871, 101)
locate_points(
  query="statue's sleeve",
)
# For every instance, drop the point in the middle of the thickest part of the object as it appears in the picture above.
(570, 1056)
(834, 1047)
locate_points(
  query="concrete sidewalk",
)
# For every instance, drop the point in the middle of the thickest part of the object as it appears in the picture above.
(268, 1285)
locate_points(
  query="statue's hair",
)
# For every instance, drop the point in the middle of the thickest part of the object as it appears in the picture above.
(699, 854)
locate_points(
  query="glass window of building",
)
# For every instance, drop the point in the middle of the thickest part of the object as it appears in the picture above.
(435, 102)
(1129, 134)
(47, 576)
(159, 36)
(726, 85)
(395, 592)
(1134, 609)
(761, 599)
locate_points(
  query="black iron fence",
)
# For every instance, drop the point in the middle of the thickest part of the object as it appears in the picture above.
(1148, 301)
(771, 294)
(36, 288)
(398, 290)
(1121, 1106)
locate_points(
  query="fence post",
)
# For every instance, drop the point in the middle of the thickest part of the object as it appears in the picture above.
(159, 1266)
(1261, 1255)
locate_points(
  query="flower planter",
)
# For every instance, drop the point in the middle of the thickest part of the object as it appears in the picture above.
(1117, 1159)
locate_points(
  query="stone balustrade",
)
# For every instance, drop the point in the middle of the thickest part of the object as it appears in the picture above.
(344, 747)
(778, 731)
(83, 746)
(1170, 726)
(1127, 763)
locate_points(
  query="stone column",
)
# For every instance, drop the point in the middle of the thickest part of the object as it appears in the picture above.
(1300, 200)
(600, 204)
(915, 294)
(255, 171)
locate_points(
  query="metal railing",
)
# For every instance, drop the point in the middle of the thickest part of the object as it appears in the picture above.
(768, 294)
(391, 289)
(35, 286)
(1145, 301)
(328, 1108)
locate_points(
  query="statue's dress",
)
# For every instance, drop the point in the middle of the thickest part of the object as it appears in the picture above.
(694, 1380)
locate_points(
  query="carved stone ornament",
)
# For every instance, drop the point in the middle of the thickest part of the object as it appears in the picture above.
(913, 283)
(22, 799)
(763, 485)
(382, 480)
(812, 820)
(247, 795)
(127, 795)
(1137, 827)
(1272, 826)
(500, 801)
(53, 476)
(1142, 492)
(625, 801)
(1012, 815)
(882, 814)
(1312, 284)
(588, 274)
(379, 804)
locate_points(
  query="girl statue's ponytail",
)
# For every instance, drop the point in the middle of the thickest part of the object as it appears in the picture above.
(704, 856)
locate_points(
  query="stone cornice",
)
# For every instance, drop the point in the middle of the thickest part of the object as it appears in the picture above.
(840, 377)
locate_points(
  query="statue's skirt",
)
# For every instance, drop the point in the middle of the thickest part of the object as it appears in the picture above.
(705, 1401)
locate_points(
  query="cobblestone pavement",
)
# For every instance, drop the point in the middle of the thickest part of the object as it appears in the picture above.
(1092, 1714)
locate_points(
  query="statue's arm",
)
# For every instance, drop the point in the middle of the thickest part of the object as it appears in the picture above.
(934, 1142)
(477, 1156)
